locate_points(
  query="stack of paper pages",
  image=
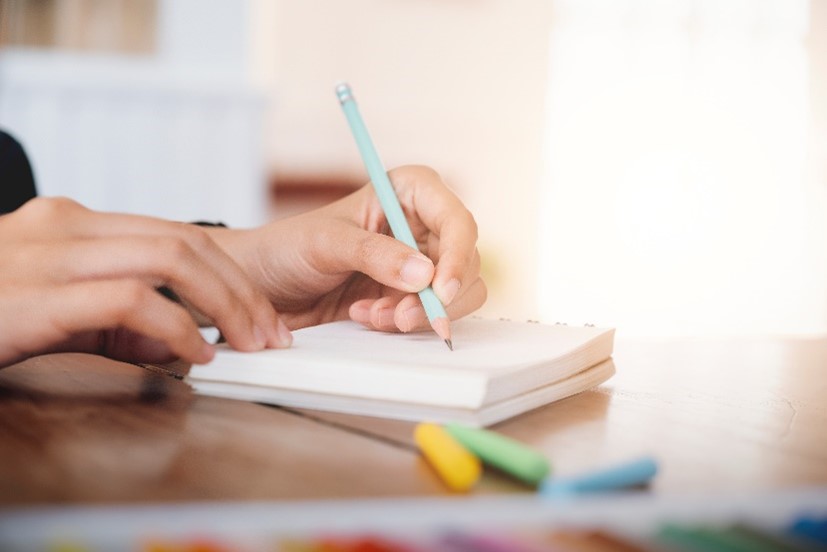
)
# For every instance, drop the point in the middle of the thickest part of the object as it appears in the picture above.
(498, 369)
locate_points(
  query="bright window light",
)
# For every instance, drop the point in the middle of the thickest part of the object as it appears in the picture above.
(679, 198)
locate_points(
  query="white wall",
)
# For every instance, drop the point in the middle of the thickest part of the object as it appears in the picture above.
(177, 134)
(458, 85)
(463, 85)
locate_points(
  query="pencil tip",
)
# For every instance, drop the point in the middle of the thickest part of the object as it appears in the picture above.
(443, 329)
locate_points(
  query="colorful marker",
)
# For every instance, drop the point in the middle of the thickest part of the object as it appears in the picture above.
(630, 474)
(510, 456)
(455, 465)
(810, 528)
(468, 542)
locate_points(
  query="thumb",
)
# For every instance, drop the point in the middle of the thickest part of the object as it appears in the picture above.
(383, 258)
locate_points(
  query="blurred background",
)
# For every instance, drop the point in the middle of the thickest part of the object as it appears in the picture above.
(655, 165)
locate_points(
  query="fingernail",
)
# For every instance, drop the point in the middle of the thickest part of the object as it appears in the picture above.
(449, 291)
(285, 337)
(259, 337)
(207, 352)
(417, 272)
(360, 314)
(384, 318)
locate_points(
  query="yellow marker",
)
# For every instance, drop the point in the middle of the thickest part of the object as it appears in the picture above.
(455, 465)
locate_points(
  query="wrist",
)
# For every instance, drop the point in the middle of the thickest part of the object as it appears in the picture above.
(240, 245)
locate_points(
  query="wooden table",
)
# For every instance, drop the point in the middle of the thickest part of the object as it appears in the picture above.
(719, 415)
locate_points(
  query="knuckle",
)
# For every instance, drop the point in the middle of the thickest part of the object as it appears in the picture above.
(472, 225)
(172, 250)
(428, 173)
(49, 208)
(424, 171)
(132, 295)
(476, 261)
(419, 173)
(195, 236)
(483, 291)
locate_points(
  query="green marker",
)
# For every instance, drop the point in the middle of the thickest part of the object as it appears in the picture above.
(705, 538)
(501, 452)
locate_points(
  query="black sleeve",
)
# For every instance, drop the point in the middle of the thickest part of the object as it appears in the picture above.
(16, 178)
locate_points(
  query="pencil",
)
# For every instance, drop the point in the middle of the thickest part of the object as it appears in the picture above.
(437, 316)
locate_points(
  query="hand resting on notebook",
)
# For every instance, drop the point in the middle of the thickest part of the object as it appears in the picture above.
(73, 279)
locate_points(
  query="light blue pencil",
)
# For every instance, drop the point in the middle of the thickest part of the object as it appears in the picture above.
(390, 205)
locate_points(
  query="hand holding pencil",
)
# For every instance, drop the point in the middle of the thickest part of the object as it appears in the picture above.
(432, 305)
(338, 261)
(446, 234)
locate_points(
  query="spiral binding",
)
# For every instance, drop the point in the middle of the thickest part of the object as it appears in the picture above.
(501, 319)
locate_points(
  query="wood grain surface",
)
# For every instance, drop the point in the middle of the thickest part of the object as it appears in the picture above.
(719, 415)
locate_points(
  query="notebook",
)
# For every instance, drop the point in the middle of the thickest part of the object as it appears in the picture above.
(498, 369)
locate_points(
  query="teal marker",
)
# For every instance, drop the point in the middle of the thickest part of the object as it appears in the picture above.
(390, 205)
(629, 474)
(510, 456)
